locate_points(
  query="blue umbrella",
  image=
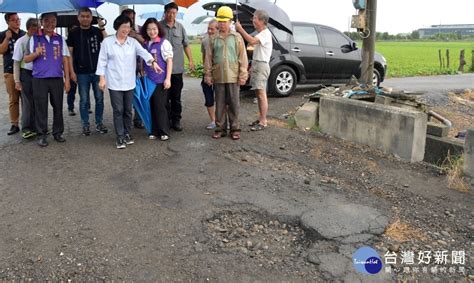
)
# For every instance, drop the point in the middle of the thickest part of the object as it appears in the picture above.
(36, 6)
(141, 99)
(89, 3)
(159, 15)
(138, 2)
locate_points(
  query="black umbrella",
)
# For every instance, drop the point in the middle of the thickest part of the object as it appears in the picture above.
(278, 17)
(69, 18)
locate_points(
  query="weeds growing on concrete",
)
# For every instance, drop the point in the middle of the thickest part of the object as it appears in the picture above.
(453, 166)
(291, 122)
(316, 129)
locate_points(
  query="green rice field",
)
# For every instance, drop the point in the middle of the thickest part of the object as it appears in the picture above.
(422, 58)
(407, 59)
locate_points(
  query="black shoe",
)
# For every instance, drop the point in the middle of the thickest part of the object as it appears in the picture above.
(128, 139)
(86, 131)
(177, 126)
(138, 124)
(90, 111)
(13, 130)
(59, 138)
(42, 141)
(120, 143)
(101, 129)
(71, 112)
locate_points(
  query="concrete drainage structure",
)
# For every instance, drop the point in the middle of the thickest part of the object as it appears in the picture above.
(399, 131)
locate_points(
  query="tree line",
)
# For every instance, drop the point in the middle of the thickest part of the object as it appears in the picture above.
(414, 35)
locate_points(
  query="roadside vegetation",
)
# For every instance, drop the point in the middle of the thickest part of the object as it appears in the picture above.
(452, 166)
(421, 58)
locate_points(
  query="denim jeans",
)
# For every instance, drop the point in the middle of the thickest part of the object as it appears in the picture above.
(84, 82)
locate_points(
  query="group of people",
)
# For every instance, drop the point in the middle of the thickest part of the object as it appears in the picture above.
(40, 64)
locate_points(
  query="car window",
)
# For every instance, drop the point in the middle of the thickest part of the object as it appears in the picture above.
(333, 38)
(280, 35)
(305, 35)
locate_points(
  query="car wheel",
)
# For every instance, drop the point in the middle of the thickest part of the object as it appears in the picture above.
(376, 78)
(282, 81)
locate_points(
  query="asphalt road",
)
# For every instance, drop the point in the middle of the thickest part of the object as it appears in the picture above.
(435, 88)
(433, 84)
(281, 205)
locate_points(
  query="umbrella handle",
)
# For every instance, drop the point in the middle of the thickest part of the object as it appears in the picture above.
(237, 10)
(104, 19)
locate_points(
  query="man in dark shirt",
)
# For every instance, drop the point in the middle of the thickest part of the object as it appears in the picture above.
(7, 42)
(84, 46)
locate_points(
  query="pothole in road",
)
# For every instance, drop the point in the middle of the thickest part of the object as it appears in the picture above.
(256, 234)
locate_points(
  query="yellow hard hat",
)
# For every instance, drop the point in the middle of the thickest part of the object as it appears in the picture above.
(224, 14)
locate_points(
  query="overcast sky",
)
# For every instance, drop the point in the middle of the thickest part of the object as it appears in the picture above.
(400, 16)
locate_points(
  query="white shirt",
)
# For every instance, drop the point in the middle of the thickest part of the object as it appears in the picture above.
(166, 49)
(20, 50)
(118, 63)
(263, 51)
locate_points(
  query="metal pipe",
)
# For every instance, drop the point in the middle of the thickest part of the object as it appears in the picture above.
(440, 118)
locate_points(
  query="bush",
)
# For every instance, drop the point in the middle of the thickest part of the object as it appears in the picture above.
(198, 71)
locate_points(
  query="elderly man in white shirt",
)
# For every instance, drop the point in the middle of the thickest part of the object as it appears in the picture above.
(260, 71)
(116, 68)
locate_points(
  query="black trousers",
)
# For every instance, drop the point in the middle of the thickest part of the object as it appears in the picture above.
(174, 105)
(122, 111)
(27, 101)
(54, 89)
(159, 113)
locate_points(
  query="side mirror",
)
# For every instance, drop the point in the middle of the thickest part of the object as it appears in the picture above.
(346, 48)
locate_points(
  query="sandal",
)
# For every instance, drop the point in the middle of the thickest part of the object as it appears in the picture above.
(217, 135)
(254, 123)
(236, 136)
(258, 127)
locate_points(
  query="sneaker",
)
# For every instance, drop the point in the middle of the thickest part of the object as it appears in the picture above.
(71, 112)
(28, 135)
(86, 131)
(128, 139)
(13, 130)
(211, 126)
(152, 137)
(101, 129)
(164, 137)
(120, 143)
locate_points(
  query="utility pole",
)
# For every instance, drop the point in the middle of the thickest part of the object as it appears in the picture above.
(368, 44)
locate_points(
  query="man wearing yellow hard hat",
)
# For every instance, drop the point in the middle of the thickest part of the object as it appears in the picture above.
(225, 67)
